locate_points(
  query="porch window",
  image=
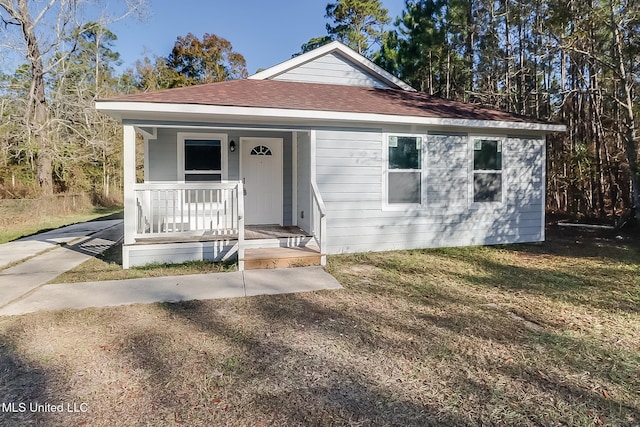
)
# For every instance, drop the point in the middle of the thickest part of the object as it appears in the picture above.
(202, 160)
(404, 170)
(487, 170)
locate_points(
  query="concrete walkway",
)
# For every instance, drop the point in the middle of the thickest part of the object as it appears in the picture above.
(23, 289)
(88, 240)
(172, 289)
(27, 247)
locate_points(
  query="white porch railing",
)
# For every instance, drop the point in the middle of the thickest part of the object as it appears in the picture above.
(319, 222)
(188, 209)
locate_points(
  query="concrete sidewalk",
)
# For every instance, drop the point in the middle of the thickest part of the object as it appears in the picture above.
(172, 289)
(30, 246)
(23, 288)
(89, 240)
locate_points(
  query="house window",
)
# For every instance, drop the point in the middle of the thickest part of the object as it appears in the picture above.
(404, 170)
(202, 160)
(202, 157)
(487, 170)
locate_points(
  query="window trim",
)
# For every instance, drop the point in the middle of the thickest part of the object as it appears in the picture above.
(224, 148)
(501, 139)
(386, 206)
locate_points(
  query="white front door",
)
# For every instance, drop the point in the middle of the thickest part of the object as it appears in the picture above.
(261, 172)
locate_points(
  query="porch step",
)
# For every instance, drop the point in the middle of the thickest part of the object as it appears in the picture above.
(263, 258)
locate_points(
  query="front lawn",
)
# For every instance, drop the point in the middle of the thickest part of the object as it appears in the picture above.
(521, 335)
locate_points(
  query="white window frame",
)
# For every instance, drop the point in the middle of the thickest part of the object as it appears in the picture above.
(385, 171)
(471, 190)
(224, 148)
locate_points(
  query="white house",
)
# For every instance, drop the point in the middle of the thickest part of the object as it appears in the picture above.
(325, 153)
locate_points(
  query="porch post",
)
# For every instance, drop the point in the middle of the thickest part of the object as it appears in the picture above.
(294, 178)
(129, 193)
(240, 198)
(317, 199)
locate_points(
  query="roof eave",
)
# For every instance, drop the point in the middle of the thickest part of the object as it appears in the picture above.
(122, 110)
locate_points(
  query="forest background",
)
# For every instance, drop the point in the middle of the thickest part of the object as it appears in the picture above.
(569, 61)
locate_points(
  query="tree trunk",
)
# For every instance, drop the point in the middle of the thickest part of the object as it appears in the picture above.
(629, 119)
(37, 113)
(507, 59)
(469, 72)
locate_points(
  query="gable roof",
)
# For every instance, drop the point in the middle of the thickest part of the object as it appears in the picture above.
(316, 101)
(343, 51)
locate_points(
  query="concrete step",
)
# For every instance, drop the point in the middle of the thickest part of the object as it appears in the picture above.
(263, 258)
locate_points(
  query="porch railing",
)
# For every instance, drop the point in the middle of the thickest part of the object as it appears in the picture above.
(319, 221)
(188, 209)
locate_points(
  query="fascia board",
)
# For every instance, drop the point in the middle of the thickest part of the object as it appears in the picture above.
(120, 110)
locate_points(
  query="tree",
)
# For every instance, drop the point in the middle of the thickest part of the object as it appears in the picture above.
(624, 16)
(44, 29)
(209, 60)
(90, 63)
(433, 47)
(15, 154)
(154, 74)
(86, 156)
(387, 56)
(574, 61)
(314, 43)
(357, 23)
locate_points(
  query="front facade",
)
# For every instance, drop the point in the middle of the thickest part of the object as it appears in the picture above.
(332, 145)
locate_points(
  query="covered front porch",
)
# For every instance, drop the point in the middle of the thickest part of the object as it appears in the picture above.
(220, 193)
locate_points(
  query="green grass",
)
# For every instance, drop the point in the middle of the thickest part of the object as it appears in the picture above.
(521, 335)
(27, 228)
(108, 266)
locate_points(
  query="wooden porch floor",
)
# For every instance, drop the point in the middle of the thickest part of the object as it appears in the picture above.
(251, 232)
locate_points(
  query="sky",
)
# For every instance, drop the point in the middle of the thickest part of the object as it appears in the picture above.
(266, 33)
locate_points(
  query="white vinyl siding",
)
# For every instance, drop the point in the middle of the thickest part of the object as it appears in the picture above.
(332, 69)
(348, 172)
(447, 159)
(174, 253)
(162, 161)
(349, 179)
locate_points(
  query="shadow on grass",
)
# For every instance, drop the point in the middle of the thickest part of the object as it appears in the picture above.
(21, 384)
(290, 385)
(310, 364)
(582, 243)
(603, 284)
(474, 319)
(409, 341)
(603, 275)
(25, 384)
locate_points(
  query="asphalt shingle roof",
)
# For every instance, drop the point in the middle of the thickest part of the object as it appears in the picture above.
(322, 97)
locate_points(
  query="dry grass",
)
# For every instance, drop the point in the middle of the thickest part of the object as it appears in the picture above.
(24, 217)
(522, 335)
(108, 266)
